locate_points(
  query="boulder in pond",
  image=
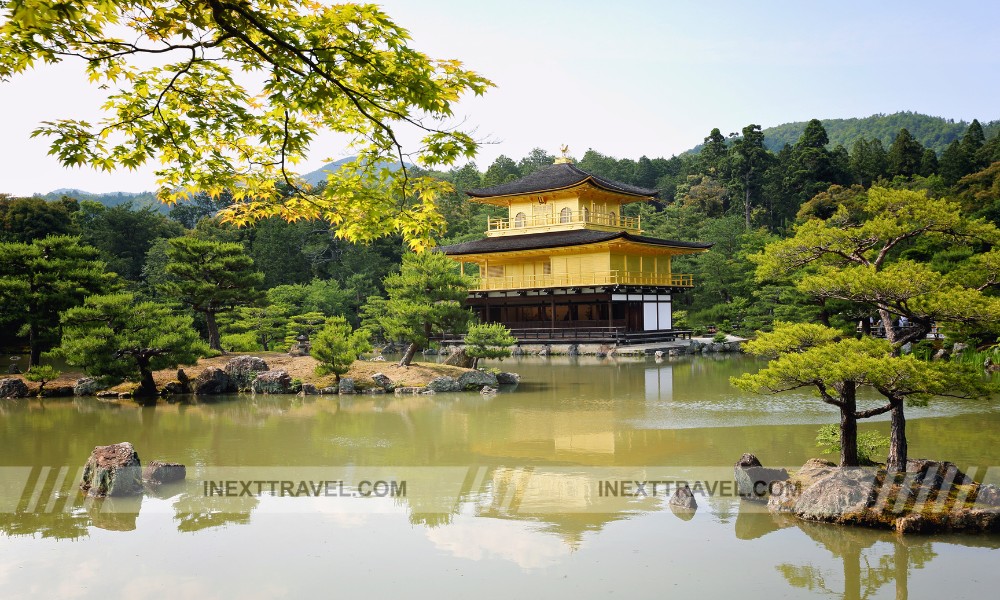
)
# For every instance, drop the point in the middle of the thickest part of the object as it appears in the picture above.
(489, 392)
(112, 470)
(504, 378)
(988, 495)
(308, 389)
(212, 380)
(12, 387)
(242, 370)
(444, 384)
(477, 380)
(753, 481)
(158, 471)
(382, 380)
(683, 498)
(272, 382)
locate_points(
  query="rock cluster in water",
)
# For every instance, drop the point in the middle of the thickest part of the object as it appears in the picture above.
(116, 470)
(930, 496)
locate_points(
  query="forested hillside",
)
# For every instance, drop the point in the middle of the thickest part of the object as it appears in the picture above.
(932, 132)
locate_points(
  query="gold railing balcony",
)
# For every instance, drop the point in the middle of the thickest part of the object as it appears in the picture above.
(566, 217)
(582, 279)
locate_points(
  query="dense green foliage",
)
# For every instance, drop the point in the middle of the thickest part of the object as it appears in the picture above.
(488, 340)
(115, 336)
(337, 346)
(210, 278)
(425, 298)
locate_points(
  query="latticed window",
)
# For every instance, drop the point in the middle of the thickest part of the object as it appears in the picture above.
(519, 221)
(565, 215)
(547, 268)
(494, 271)
(612, 218)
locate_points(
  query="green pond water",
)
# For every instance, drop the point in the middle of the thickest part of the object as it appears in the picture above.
(461, 496)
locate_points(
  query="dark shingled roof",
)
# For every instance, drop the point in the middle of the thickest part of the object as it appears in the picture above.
(558, 239)
(557, 177)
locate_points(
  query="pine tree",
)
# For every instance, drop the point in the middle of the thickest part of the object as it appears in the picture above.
(904, 155)
(41, 279)
(210, 278)
(426, 297)
(336, 347)
(489, 340)
(114, 336)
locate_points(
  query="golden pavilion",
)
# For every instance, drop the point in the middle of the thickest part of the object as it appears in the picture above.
(566, 266)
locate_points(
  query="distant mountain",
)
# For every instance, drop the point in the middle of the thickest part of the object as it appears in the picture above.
(932, 132)
(319, 175)
(110, 198)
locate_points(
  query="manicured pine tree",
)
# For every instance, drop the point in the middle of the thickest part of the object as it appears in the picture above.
(337, 346)
(488, 340)
(210, 278)
(114, 336)
(425, 298)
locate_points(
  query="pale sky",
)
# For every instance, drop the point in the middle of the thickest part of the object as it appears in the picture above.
(626, 78)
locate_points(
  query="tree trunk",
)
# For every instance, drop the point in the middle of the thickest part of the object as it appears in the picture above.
(746, 200)
(214, 340)
(147, 387)
(849, 426)
(897, 439)
(408, 355)
(35, 344)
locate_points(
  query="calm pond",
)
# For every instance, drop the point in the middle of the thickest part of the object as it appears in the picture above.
(461, 496)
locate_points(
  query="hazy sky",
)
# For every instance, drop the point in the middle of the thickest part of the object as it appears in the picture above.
(626, 78)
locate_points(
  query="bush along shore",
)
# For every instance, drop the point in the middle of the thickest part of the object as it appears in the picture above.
(276, 373)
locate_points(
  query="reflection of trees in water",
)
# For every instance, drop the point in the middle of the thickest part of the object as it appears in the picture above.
(866, 568)
(59, 525)
(194, 512)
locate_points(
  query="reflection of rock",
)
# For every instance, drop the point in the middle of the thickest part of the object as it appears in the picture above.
(488, 391)
(114, 514)
(752, 522)
(157, 472)
(754, 481)
(12, 387)
(112, 470)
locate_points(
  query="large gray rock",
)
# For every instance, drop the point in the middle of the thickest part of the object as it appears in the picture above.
(212, 380)
(508, 378)
(460, 359)
(158, 471)
(382, 380)
(112, 470)
(309, 389)
(345, 386)
(753, 481)
(477, 380)
(272, 382)
(242, 370)
(12, 387)
(87, 386)
(988, 495)
(444, 384)
(935, 474)
(843, 494)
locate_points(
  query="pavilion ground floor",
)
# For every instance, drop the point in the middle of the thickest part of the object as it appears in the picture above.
(612, 314)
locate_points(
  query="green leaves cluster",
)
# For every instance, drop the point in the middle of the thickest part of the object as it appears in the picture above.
(116, 336)
(229, 95)
(337, 346)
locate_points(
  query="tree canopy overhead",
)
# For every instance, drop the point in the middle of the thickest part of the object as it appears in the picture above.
(175, 96)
